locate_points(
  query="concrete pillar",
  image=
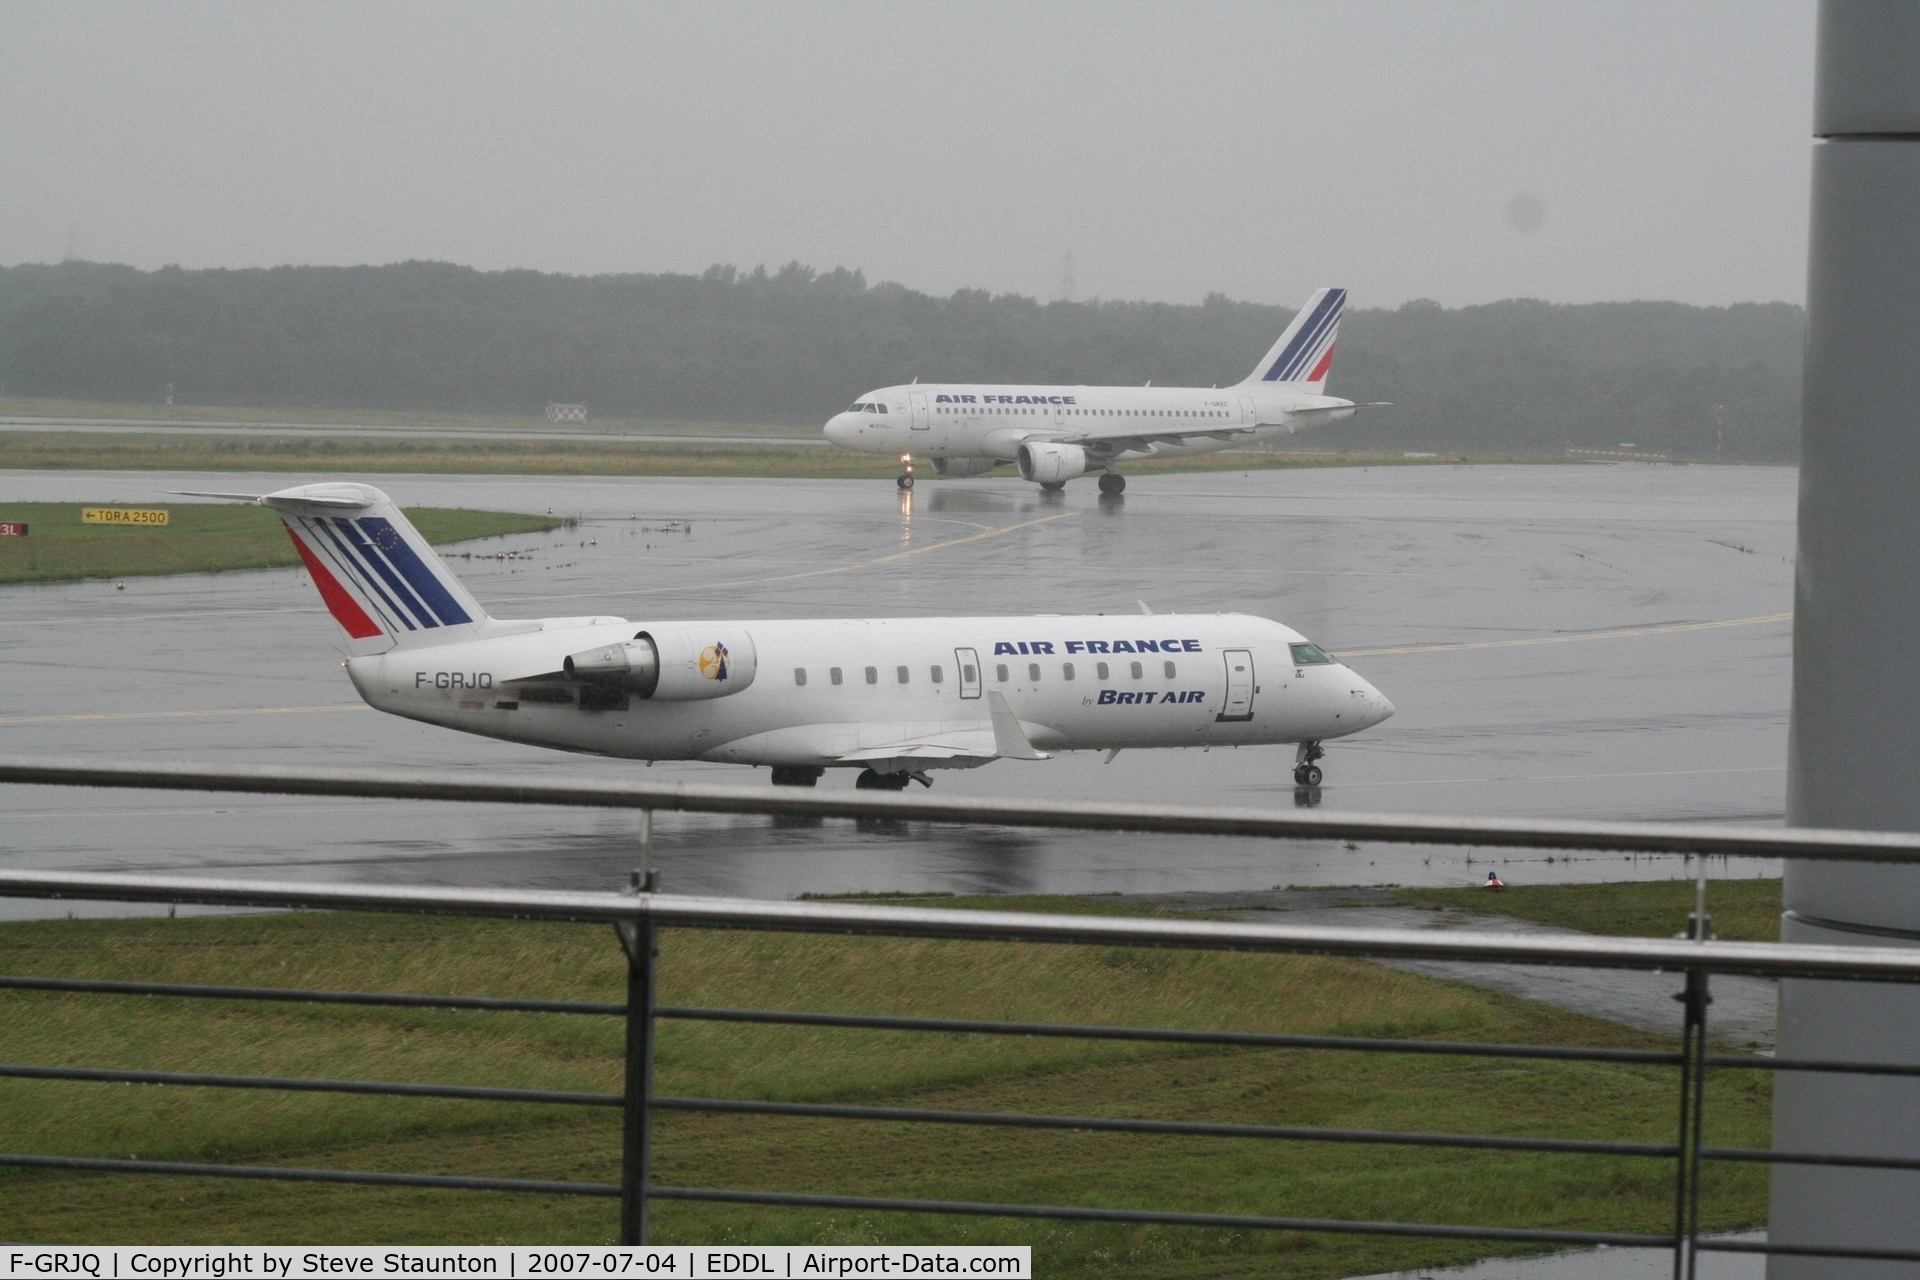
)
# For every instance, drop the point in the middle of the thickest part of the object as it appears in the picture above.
(1854, 753)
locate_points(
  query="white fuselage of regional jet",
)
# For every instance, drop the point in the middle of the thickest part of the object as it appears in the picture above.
(894, 695)
(976, 421)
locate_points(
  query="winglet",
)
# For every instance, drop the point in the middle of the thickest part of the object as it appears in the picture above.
(1009, 739)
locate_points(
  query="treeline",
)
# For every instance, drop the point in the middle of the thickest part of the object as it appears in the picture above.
(795, 345)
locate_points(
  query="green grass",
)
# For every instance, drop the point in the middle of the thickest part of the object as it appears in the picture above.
(1742, 910)
(980, 980)
(198, 538)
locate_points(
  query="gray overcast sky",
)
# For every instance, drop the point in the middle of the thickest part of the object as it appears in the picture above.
(1462, 151)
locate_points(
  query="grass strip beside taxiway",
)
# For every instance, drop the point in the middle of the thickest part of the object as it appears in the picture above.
(779, 971)
(197, 538)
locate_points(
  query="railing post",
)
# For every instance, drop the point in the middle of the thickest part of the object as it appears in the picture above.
(641, 941)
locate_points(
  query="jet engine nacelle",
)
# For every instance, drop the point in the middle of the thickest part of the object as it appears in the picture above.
(1051, 463)
(671, 664)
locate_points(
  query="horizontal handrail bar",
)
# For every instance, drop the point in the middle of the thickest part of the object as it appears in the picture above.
(1253, 1039)
(1759, 959)
(1075, 1213)
(1186, 1128)
(491, 1004)
(1806, 1250)
(1258, 1039)
(293, 1084)
(1757, 1062)
(1289, 824)
(1763, 1155)
(272, 1173)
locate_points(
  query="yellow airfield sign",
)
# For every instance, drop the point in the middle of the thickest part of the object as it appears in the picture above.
(120, 515)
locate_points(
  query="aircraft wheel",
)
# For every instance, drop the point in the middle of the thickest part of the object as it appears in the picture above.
(1052, 486)
(795, 776)
(1113, 483)
(871, 781)
(904, 482)
(1307, 775)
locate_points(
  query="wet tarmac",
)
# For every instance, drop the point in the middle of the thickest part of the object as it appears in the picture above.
(1561, 641)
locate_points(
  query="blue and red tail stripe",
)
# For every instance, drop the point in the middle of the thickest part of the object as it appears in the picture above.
(1305, 359)
(340, 603)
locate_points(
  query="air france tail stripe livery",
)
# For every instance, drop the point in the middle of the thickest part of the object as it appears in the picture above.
(1053, 434)
(892, 697)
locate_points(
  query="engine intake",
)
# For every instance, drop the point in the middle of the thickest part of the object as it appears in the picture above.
(1049, 463)
(671, 664)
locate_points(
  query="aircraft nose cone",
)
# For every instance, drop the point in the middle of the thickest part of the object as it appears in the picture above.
(837, 429)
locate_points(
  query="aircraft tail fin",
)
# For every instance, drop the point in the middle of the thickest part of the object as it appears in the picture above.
(1305, 351)
(380, 579)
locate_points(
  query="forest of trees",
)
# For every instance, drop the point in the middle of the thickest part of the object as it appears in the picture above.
(795, 345)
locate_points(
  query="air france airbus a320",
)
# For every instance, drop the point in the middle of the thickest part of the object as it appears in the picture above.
(1056, 433)
(892, 697)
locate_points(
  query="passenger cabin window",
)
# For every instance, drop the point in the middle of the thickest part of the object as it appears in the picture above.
(1169, 667)
(1100, 669)
(1066, 671)
(902, 673)
(1033, 672)
(1000, 672)
(936, 675)
(1138, 671)
(873, 675)
(1307, 655)
(799, 675)
(833, 674)
(967, 674)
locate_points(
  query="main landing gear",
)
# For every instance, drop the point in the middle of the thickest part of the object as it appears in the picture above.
(871, 781)
(1305, 772)
(1113, 483)
(796, 775)
(906, 472)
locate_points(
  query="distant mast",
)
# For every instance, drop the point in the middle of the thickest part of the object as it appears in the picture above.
(1066, 279)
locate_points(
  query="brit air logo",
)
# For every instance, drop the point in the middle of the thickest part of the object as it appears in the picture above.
(715, 662)
(1308, 356)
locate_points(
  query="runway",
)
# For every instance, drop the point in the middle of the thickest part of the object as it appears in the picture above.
(1561, 641)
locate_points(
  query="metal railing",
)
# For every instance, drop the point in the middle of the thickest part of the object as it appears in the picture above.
(639, 915)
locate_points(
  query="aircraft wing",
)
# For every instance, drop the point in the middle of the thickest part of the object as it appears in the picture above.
(1119, 439)
(1001, 738)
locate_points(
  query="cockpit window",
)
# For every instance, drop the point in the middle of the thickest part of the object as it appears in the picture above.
(871, 408)
(1306, 655)
(883, 408)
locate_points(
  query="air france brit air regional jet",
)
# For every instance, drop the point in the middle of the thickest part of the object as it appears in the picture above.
(893, 697)
(1054, 434)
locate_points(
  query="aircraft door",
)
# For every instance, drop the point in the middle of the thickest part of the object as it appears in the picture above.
(922, 415)
(1239, 705)
(967, 663)
(1247, 415)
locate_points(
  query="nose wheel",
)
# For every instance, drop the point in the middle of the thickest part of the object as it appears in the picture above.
(1113, 482)
(905, 481)
(1305, 772)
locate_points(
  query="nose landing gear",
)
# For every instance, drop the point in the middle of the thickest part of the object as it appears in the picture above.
(1305, 772)
(906, 472)
(796, 775)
